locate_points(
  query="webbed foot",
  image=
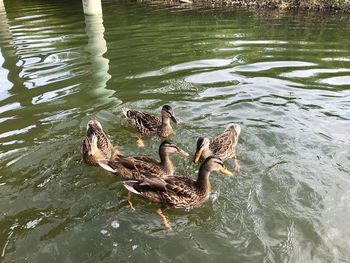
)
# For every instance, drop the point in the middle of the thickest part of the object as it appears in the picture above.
(129, 201)
(166, 222)
(237, 166)
(140, 143)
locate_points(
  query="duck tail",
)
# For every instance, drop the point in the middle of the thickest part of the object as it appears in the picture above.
(125, 111)
(129, 185)
(105, 164)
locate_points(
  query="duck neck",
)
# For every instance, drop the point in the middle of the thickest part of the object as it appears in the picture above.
(206, 153)
(165, 161)
(203, 179)
(165, 122)
(166, 128)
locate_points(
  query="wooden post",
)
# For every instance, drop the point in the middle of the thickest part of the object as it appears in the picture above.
(91, 7)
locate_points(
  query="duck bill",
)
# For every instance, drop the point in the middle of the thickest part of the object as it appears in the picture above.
(226, 172)
(90, 134)
(173, 118)
(182, 153)
(198, 155)
(87, 145)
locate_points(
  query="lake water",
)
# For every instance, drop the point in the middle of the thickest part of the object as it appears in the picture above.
(284, 77)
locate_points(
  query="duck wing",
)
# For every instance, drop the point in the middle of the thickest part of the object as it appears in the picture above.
(143, 158)
(171, 191)
(144, 122)
(133, 168)
(223, 146)
(104, 144)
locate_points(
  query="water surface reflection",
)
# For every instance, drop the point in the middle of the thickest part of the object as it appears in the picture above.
(283, 77)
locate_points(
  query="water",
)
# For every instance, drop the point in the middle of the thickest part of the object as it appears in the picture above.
(284, 77)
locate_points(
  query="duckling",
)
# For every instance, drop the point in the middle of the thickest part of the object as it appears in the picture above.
(176, 191)
(137, 167)
(222, 146)
(96, 145)
(149, 125)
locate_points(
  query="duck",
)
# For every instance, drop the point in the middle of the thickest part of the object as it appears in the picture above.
(96, 145)
(138, 167)
(178, 191)
(222, 146)
(150, 125)
(135, 167)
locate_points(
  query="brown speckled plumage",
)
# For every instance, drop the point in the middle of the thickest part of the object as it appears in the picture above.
(96, 144)
(150, 125)
(137, 167)
(176, 191)
(222, 146)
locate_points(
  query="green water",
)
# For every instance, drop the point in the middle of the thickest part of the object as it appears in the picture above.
(285, 78)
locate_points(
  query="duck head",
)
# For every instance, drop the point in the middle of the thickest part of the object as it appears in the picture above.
(168, 112)
(202, 145)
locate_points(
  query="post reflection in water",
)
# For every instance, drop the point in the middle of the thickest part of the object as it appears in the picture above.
(4, 26)
(96, 48)
(6, 36)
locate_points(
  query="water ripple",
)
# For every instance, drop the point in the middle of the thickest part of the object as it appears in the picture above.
(337, 81)
(16, 132)
(262, 66)
(283, 77)
(208, 63)
(312, 72)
